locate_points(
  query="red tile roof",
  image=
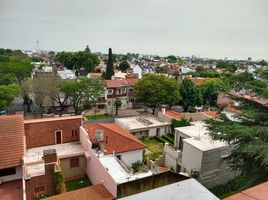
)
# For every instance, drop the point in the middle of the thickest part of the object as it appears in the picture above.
(174, 115)
(116, 138)
(92, 74)
(259, 192)
(115, 83)
(11, 141)
(132, 81)
(197, 81)
(213, 114)
(94, 192)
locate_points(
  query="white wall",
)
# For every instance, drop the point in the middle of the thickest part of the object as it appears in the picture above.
(131, 156)
(191, 157)
(137, 70)
(16, 176)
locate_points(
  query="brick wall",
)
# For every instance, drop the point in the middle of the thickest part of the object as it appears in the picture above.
(45, 181)
(43, 133)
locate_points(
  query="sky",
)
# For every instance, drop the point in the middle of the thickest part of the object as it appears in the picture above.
(236, 29)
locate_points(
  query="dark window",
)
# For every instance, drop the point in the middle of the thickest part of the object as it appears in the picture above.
(181, 143)
(72, 132)
(74, 162)
(76, 132)
(8, 171)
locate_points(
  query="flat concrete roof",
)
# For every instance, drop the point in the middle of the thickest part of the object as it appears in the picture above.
(34, 164)
(199, 138)
(141, 122)
(188, 189)
(118, 173)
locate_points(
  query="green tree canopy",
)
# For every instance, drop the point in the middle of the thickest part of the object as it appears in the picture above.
(210, 88)
(124, 65)
(7, 95)
(83, 93)
(110, 66)
(190, 94)
(153, 90)
(249, 135)
(78, 61)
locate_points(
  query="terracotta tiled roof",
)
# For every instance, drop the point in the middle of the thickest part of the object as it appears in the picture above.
(52, 119)
(11, 140)
(213, 114)
(116, 138)
(174, 115)
(132, 81)
(197, 81)
(259, 192)
(232, 109)
(95, 192)
(91, 74)
(115, 83)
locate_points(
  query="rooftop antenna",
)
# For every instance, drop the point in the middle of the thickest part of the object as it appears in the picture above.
(37, 43)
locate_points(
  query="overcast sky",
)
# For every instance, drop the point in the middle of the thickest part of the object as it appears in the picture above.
(207, 28)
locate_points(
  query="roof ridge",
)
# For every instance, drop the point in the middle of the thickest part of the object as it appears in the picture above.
(132, 137)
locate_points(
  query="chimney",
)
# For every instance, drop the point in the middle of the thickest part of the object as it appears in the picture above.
(50, 156)
(163, 109)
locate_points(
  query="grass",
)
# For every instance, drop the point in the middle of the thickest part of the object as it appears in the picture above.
(77, 183)
(101, 116)
(153, 145)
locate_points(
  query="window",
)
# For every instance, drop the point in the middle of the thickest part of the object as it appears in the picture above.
(72, 132)
(40, 189)
(181, 143)
(74, 162)
(110, 91)
(76, 132)
(8, 171)
(124, 90)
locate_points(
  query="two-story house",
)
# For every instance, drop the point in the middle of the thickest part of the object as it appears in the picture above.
(195, 154)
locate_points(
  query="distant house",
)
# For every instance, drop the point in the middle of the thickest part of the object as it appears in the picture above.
(116, 89)
(94, 74)
(195, 154)
(144, 125)
(140, 70)
(66, 74)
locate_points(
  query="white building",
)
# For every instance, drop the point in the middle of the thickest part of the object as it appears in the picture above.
(144, 125)
(194, 153)
(141, 70)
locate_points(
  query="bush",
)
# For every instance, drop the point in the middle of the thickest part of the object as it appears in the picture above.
(161, 140)
(136, 166)
(179, 123)
(171, 141)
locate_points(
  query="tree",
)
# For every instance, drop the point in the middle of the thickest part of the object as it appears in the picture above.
(199, 68)
(153, 90)
(161, 70)
(176, 74)
(7, 95)
(172, 59)
(117, 104)
(87, 49)
(179, 123)
(110, 66)
(78, 61)
(7, 79)
(124, 65)
(25, 91)
(83, 93)
(190, 95)
(221, 64)
(210, 88)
